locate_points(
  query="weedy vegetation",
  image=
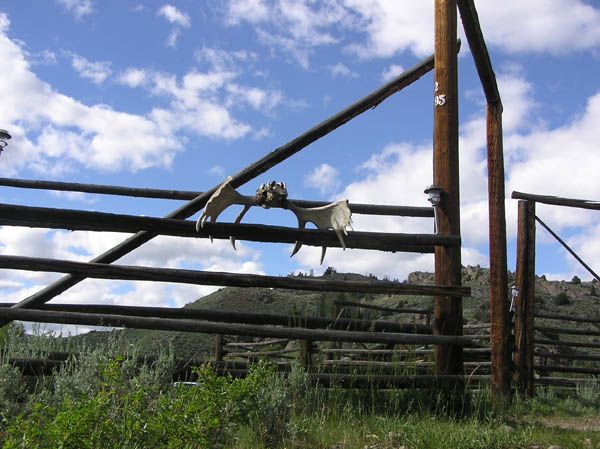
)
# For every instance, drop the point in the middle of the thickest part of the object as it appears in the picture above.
(103, 398)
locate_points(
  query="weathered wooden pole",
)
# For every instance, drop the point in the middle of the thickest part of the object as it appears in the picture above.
(499, 306)
(448, 309)
(524, 301)
(500, 328)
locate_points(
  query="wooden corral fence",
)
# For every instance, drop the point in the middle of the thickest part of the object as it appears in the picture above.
(446, 334)
(550, 349)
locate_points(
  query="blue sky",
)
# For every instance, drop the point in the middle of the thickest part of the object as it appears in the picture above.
(179, 95)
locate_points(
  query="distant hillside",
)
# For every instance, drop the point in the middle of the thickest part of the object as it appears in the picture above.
(565, 297)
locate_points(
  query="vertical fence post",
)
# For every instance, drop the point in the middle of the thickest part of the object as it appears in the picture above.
(448, 310)
(524, 304)
(218, 348)
(499, 307)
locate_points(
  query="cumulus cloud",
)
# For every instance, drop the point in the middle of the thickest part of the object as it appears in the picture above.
(133, 77)
(224, 60)
(293, 28)
(391, 72)
(325, 178)
(382, 28)
(54, 133)
(175, 16)
(97, 72)
(341, 70)
(79, 8)
(178, 19)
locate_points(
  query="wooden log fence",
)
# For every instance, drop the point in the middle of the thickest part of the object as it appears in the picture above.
(445, 244)
(572, 344)
(557, 316)
(557, 201)
(528, 346)
(567, 356)
(42, 217)
(362, 305)
(356, 208)
(134, 273)
(241, 317)
(247, 174)
(45, 316)
(564, 330)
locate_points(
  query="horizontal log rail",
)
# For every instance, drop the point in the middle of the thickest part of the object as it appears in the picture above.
(573, 344)
(382, 308)
(394, 364)
(136, 192)
(167, 324)
(570, 356)
(556, 316)
(565, 381)
(43, 217)
(251, 354)
(194, 277)
(416, 352)
(564, 330)
(557, 201)
(567, 369)
(252, 344)
(240, 317)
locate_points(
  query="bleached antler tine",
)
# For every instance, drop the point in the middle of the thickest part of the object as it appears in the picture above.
(237, 220)
(200, 222)
(341, 237)
(323, 251)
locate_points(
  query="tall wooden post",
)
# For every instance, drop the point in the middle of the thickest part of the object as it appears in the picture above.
(448, 310)
(524, 303)
(499, 306)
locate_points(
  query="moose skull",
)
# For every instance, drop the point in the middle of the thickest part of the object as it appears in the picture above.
(336, 216)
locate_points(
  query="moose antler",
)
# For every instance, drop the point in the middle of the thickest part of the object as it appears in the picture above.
(336, 216)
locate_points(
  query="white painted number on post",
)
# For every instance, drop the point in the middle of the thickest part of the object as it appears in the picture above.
(440, 100)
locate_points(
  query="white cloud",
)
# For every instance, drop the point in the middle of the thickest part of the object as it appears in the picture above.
(341, 70)
(292, 27)
(253, 11)
(79, 8)
(133, 77)
(324, 177)
(97, 72)
(383, 28)
(172, 39)
(258, 99)
(563, 161)
(222, 60)
(175, 16)
(391, 72)
(54, 133)
(217, 170)
(178, 19)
